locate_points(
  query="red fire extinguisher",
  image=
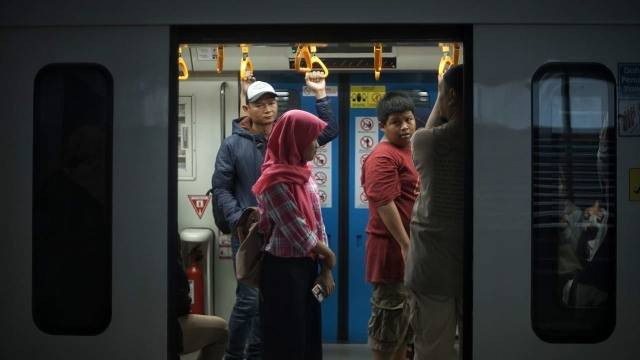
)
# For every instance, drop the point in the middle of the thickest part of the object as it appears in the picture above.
(196, 282)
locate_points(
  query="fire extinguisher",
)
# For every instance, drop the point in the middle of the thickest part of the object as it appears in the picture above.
(196, 282)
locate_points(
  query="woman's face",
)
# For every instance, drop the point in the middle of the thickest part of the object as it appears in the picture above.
(309, 153)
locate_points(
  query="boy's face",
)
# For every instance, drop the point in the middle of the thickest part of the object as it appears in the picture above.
(399, 128)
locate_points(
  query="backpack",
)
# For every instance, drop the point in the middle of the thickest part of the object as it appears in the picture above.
(251, 250)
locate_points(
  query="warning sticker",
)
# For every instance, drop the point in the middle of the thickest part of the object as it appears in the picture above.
(366, 137)
(322, 174)
(366, 96)
(634, 184)
(199, 203)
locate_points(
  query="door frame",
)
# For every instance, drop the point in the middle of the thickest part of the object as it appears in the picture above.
(323, 33)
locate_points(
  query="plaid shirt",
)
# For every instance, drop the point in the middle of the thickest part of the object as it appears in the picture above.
(290, 234)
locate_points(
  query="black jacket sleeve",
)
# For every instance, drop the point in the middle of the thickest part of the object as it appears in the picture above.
(323, 108)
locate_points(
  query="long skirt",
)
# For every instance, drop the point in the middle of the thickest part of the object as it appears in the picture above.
(290, 314)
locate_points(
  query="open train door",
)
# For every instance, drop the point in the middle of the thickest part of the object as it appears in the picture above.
(85, 180)
(555, 222)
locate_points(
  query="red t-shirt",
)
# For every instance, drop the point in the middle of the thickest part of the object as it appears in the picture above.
(388, 174)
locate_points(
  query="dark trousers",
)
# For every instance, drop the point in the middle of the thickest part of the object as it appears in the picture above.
(289, 313)
(244, 323)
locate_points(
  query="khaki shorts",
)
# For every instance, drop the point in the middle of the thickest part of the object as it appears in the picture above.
(389, 327)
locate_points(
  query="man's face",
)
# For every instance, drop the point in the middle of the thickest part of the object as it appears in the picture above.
(399, 128)
(264, 110)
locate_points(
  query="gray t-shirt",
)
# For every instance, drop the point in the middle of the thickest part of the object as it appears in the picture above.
(434, 263)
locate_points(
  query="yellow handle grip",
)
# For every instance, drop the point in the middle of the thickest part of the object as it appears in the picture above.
(220, 59)
(445, 64)
(246, 64)
(182, 66)
(377, 60)
(302, 53)
(316, 60)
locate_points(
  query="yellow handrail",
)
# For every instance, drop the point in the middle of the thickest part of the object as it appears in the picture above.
(220, 59)
(182, 66)
(377, 60)
(450, 57)
(245, 64)
(307, 53)
(302, 53)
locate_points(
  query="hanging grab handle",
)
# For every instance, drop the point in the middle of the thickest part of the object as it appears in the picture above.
(450, 57)
(245, 64)
(302, 53)
(220, 59)
(308, 54)
(182, 66)
(377, 60)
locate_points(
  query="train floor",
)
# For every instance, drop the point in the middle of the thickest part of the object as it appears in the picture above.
(329, 352)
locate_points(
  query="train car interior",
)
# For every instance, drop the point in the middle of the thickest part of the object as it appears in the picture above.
(357, 74)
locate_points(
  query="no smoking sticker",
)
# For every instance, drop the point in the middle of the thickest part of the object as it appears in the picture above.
(321, 177)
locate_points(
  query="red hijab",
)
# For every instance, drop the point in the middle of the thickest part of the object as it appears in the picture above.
(283, 163)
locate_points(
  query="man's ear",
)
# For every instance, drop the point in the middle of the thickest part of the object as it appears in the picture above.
(452, 96)
(245, 108)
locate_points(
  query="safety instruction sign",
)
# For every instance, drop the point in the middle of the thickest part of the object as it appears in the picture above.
(366, 96)
(322, 174)
(366, 138)
(199, 203)
(634, 184)
(629, 99)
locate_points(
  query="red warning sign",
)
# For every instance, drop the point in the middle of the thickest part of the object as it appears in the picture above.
(321, 177)
(323, 196)
(366, 124)
(320, 160)
(199, 203)
(366, 142)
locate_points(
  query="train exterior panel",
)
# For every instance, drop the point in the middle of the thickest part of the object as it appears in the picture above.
(133, 43)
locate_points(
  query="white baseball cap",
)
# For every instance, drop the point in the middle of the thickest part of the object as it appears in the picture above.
(257, 89)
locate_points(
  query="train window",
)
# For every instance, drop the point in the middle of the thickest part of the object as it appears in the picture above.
(72, 146)
(573, 203)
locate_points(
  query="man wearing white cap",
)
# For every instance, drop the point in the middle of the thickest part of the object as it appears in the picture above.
(237, 168)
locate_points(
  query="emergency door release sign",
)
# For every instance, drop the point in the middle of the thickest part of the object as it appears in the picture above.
(199, 203)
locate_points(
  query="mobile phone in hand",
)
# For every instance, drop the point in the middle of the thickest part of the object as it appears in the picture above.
(318, 292)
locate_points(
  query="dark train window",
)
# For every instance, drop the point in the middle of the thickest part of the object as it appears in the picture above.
(573, 203)
(72, 150)
(287, 100)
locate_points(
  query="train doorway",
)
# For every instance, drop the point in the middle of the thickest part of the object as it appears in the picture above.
(363, 63)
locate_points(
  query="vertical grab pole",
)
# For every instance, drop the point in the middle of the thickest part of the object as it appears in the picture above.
(223, 110)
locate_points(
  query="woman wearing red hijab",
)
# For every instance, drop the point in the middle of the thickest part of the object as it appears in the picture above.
(290, 215)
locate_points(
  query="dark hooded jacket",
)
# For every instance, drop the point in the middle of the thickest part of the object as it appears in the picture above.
(238, 166)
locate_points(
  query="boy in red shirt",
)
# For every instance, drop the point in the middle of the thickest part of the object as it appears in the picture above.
(391, 184)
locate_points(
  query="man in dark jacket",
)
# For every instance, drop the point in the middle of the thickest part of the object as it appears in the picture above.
(237, 168)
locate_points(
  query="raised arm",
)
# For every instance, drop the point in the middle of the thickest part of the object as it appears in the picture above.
(317, 84)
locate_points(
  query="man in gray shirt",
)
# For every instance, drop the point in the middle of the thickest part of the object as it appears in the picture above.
(433, 271)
